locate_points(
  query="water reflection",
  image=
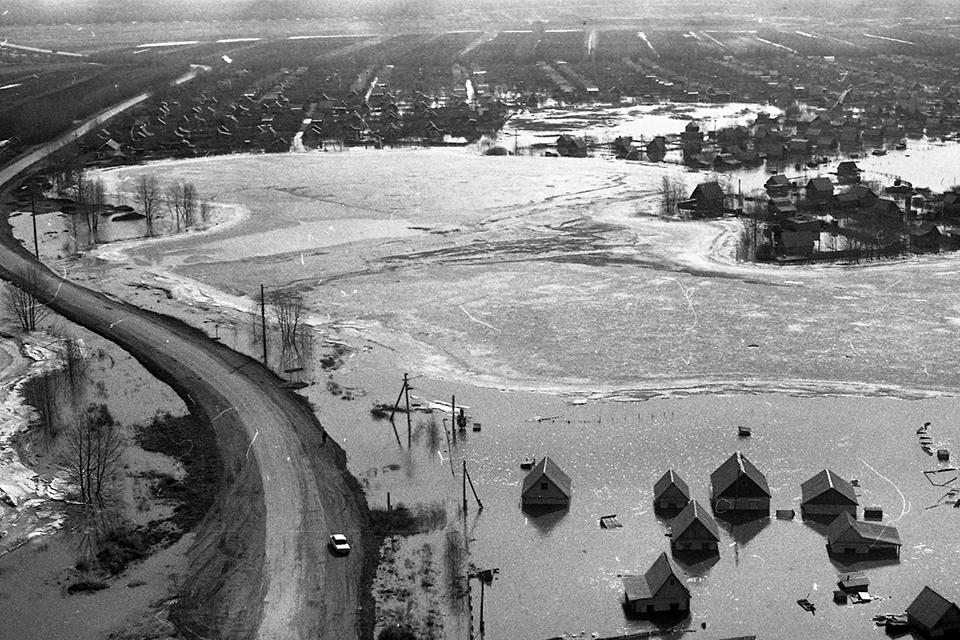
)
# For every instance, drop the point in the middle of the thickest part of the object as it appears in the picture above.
(545, 518)
(744, 526)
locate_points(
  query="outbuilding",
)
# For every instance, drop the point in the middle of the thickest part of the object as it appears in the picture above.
(658, 591)
(737, 485)
(827, 494)
(848, 536)
(933, 615)
(546, 486)
(694, 529)
(670, 492)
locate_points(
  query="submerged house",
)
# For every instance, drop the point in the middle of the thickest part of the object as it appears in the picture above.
(737, 485)
(827, 494)
(546, 486)
(848, 536)
(694, 529)
(933, 615)
(571, 147)
(670, 492)
(925, 238)
(778, 186)
(707, 199)
(819, 190)
(658, 591)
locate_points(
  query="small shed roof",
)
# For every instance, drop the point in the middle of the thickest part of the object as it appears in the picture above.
(878, 533)
(776, 181)
(670, 478)
(730, 471)
(549, 469)
(929, 608)
(692, 513)
(826, 481)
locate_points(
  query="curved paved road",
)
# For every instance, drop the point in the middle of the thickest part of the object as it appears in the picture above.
(260, 565)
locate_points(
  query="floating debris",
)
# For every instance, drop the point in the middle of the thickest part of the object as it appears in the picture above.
(610, 522)
(786, 514)
(807, 605)
(943, 454)
(743, 432)
(528, 462)
(873, 513)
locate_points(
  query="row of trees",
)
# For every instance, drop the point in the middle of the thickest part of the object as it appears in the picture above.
(179, 199)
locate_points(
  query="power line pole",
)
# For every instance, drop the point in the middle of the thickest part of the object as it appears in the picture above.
(33, 210)
(453, 418)
(263, 324)
(406, 394)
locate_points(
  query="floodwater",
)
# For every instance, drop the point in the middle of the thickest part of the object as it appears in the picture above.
(524, 284)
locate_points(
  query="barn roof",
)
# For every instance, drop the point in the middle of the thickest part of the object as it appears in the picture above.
(825, 481)
(877, 533)
(823, 185)
(929, 608)
(709, 191)
(691, 513)
(735, 466)
(549, 469)
(669, 479)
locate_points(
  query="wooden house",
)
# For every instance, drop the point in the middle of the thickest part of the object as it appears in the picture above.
(819, 190)
(951, 203)
(657, 149)
(933, 615)
(571, 147)
(925, 238)
(670, 492)
(781, 208)
(708, 198)
(849, 536)
(848, 172)
(691, 140)
(658, 591)
(694, 529)
(827, 494)
(546, 486)
(778, 186)
(738, 486)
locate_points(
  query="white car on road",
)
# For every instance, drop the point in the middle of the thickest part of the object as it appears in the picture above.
(339, 544)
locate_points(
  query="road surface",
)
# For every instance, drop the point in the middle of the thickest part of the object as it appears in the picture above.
(260, 567)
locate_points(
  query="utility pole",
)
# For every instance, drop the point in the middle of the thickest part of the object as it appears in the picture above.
(33, 210)
(263, 324)
(406, 394)
(485, 577)
(453, 418)
(464, 479)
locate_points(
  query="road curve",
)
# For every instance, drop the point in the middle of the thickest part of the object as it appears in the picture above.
(259, 568)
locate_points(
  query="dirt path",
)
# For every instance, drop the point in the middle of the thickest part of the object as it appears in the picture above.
(260, 568)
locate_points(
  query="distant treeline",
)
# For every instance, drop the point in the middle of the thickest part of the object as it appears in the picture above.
(107, 11)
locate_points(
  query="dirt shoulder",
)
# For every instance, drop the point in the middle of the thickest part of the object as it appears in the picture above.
(260, 567)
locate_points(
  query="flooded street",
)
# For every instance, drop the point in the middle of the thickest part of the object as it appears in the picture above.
(525, 285)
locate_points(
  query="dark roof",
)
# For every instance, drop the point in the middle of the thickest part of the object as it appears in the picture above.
(549, 469)
(691, 513)
(708, 191)
(925, 229)
(848, 166)
(668, 479)
(824, 482)
(882, 533)
(778, 180)
(820, 184)
(929, 608)
(735, 466)
(647, 585)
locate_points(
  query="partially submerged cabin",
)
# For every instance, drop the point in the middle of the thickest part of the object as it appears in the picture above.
(849, 536)
(670, 492)
(933, 615)
(694, 529)
(546, 486)
(737, 485)
(657, 591)
(827, 494)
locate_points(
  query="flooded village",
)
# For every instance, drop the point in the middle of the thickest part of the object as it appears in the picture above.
(600, 327)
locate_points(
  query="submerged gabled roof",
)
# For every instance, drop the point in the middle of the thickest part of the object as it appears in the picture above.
(670, 478)
(650, 583)
(549, 469)
(826, 481)
(929, 608)
(732, 469)
(884, 534)
(692, 513)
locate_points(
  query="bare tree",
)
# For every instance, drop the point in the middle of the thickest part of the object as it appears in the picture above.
(287, 308)
(147, 195)
(205, 210)
(29, 311)
(672, 191)
(173, 199)
(93, 448)
(189, 204)
(97, 202)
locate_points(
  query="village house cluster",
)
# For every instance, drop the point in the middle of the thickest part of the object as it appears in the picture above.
(739, 493)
